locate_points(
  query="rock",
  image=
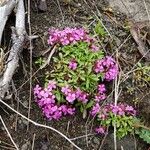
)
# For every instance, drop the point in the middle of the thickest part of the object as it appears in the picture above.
(26, 146)
(118, 42)
(42, 5)
(44, 146)
(122, 34)
(24, 121)
(134, 9)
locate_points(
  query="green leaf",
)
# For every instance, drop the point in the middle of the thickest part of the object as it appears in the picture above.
(99, 29)
(82, 77)
(108, 122)
(60, 55)
(90, 104)
(87, 83)
(55, 59)
(40, 61)
(94, 77)
(139, 64)
(81, 108)
(143, 134)
(58, 96)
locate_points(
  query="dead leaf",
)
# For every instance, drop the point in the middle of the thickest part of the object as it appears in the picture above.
(135, 30)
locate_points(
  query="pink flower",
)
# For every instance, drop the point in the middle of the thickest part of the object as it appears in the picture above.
(71, 111)
(69, 36)
(122, 109)
(65, 41)
(76, 37)
(100, 97)
(95, 109)
(66, 90)
(121, 112)
(53, 109)
(71, 97)
(129, 108)
(57, 115)
(115, 109)
(108, 66)
(63, 108)
(73, 65)
(51, 85)
(98, 67)
(46, 101)
(67, 110)
(100, 130)
(37, 89)
(101, 88)
(94, 47)
(102, 116)
(42, 94)
(83, 97)
(78, 92)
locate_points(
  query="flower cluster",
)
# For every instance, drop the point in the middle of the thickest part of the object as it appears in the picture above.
(120, 109)
(47, 102)
(79, 83)
(101, 95)
(82, 96)
(108, 66)
(72, 95)
(95, 109)
(105, 113)
(69, 36)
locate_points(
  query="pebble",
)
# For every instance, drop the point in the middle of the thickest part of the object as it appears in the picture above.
(26, 146)
(118, 42)
(122, 34)
(96, 140)
(25, 121)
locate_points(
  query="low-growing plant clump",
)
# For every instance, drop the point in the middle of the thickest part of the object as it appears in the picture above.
(78, 82)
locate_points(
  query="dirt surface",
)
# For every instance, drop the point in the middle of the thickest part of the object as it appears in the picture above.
(77, 13)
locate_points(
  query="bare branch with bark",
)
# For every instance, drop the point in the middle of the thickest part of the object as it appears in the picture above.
(18, 37)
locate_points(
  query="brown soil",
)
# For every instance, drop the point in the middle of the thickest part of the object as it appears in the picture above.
(61, 15)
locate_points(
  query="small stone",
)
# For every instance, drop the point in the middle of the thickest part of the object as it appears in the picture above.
(2, 128)
(25, 122)
(79, 4)
(19, 121)
(122, 34)
(96, 140)
(42, 6)
(44, 147)
(25, 146)
(118, 42)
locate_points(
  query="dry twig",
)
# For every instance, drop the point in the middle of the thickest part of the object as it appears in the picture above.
(30, 94)
(8, 133)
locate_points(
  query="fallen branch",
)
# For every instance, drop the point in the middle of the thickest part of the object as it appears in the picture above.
(6, 8)
(18, 36)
